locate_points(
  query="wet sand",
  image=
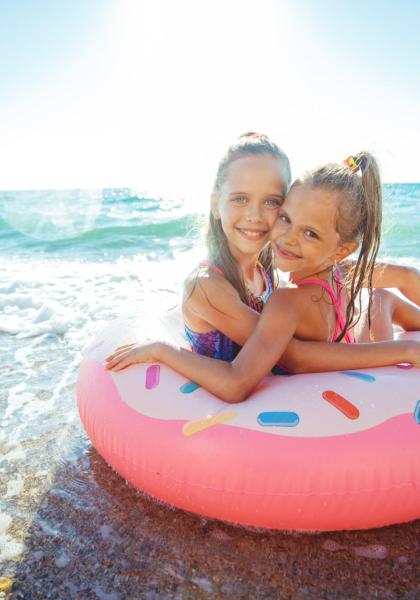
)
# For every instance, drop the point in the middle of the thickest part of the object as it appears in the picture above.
(86, 534)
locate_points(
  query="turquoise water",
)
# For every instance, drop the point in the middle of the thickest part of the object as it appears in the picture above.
(93, 224)
(112, 223)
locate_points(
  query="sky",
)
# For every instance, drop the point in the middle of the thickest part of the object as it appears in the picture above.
(150, 93)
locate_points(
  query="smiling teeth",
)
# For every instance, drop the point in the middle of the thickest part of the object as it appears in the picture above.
(253, 233)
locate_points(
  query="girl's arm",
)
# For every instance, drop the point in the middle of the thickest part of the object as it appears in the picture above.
(319, 357)
(232, 382)
(213, 301)
(405, 279)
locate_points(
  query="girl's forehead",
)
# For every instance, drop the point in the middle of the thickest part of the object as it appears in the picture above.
(311, 204)
(256, 170)
(307, 195)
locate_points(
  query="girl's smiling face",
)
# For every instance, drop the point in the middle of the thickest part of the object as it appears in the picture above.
(249, 201)
(305, 238)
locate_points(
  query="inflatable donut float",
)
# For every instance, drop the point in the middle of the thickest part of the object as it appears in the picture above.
(311, 452)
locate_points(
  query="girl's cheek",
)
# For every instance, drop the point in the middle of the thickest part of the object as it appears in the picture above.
(277, 230)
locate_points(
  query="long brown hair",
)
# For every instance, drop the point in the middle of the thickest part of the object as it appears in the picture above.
(248, 144)
(359, 220)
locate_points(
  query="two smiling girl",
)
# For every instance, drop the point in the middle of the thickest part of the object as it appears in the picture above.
(256, 223)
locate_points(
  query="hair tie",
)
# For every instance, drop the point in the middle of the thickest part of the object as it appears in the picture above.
(355, 164)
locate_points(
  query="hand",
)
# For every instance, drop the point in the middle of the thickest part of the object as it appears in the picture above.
(130, 354)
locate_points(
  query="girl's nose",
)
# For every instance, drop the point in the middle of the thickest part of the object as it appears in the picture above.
(254, 213)
(290, 237)
(285, 233)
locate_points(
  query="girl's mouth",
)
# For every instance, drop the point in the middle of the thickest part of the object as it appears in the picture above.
(286, 254)
(252, 234)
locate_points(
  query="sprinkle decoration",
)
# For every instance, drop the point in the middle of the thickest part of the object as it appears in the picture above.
(278, 419)
(189, 387)
(362, 376)
(417, 413)
(194, 427)
(342, 404)
(152, 377)
(405, 366)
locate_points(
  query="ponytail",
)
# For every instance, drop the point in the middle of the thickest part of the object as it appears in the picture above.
(369, 235)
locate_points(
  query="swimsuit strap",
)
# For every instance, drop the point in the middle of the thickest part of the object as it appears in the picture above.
(268, 286)
(337, 303)
(206, 263)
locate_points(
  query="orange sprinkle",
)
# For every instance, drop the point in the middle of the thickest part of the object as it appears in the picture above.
(343, 405)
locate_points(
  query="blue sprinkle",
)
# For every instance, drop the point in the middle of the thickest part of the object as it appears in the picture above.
(278, 419)
(189, 387)
(417, 413)
(362, 376)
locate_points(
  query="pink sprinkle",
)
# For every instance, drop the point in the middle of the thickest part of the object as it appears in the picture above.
(152, 377)
(404, 366)
(374, 551)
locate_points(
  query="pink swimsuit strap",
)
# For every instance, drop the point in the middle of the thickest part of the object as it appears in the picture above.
(268, 286)
(206, 263)
(337, 303)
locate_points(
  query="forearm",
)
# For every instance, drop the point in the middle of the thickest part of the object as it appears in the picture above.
(317, 357)
(220, 378)
(411, 287)
(405, 279)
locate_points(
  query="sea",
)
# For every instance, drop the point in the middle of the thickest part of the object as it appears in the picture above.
(70, 262)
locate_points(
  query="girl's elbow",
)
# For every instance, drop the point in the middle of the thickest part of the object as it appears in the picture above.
(233, 395)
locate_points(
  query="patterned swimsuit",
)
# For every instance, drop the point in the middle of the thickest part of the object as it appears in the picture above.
(215, 343)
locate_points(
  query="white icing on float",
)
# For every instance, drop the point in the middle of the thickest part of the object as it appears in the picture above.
(306, 452)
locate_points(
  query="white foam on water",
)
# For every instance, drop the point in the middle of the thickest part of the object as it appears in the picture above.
(9, 548)
(14, 487)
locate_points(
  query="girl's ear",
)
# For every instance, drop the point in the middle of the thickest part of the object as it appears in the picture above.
(345, 250)
(214, 207)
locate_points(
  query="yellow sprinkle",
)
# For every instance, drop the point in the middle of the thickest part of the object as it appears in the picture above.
(200, 424)
(5, 583)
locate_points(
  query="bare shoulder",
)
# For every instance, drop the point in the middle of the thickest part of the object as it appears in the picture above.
(206, 285)
(287, 297)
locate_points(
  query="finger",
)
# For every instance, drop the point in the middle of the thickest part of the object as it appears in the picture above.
(118, 352)
(130, 345)
(115, 360)
(123, 347)
(122, 364)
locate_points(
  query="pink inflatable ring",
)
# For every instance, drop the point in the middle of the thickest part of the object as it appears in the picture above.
(305, 452)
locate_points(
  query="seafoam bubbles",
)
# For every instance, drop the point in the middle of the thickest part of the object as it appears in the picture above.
(50, 215)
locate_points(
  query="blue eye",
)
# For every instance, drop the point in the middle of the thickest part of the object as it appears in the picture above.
(273, 202)
(284, 219)
(311, 234)
(239, 199)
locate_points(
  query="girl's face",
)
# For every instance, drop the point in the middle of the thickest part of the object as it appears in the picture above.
(249, 201)
(305, 239)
